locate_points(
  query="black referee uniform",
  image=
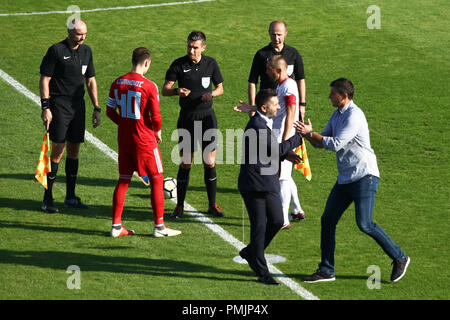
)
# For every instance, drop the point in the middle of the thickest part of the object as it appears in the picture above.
(199, 79)
(68, 70)
(293, 58)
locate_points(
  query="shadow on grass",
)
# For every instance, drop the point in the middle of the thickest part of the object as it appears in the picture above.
(102, 182)
(130, 213)
(96, 211)
(41, 227)
(59, 260)
(61, 178)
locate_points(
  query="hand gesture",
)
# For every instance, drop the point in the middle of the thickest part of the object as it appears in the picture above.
(244, 107)
(183, 92)
(207, 97)
(293, 157)
(46, 117)
(158, 137)
(95, 119)
(303, 128)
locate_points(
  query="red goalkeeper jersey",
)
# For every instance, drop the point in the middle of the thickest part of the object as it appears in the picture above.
(139, 117)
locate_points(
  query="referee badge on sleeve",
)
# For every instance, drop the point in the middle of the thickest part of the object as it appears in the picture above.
(290, 69)
(205, 82)
(83, 69)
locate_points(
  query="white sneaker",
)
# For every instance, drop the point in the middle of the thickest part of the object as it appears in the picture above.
(115, 233)
(160, 232)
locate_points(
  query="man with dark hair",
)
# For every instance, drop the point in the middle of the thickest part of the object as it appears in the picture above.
(65, 68)
(343, 86)
(258, 181)
(347, 134)
(195, 73)
(295, 69)
(139, 133)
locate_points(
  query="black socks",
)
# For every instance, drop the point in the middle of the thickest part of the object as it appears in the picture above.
(182, 184)
(71, 177)
(210, 178)
(51, 177)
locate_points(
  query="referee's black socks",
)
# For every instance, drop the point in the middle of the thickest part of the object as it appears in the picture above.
(71, 177)
(51, 177)
(210, 178)
(182, 184)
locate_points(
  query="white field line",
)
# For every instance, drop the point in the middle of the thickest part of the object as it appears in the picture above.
(105, 9)
(214, 227)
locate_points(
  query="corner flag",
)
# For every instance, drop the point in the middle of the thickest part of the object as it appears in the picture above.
(43, 166)
(304, 164)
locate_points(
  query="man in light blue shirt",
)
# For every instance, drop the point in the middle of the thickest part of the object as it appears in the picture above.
(347, 134)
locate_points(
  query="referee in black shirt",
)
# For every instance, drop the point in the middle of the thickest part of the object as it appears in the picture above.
(65, 68)
(195, 73)
(295, 70)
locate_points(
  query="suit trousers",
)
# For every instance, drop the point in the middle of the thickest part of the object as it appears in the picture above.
(266, 219)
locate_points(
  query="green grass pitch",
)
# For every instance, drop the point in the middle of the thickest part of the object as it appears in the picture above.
(401, 74)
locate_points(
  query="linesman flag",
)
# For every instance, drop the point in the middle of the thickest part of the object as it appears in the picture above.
(304, 164)
(43, 166)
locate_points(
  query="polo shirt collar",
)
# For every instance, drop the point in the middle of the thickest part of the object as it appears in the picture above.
(277, 52)
(66, 43)
(192, 63)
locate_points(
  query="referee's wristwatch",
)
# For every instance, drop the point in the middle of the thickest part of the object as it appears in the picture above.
(98, 109)
(302, 104)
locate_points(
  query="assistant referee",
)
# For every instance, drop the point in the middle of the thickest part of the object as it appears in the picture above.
(196, 73)
(65, 68)
(295, 68)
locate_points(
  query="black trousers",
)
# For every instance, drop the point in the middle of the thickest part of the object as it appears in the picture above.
(266, 219)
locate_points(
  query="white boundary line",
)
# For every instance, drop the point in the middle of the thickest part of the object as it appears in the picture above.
(105, 9)
(214, 227)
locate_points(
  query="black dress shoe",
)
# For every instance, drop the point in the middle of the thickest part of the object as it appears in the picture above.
(246, 256)
(268, 280)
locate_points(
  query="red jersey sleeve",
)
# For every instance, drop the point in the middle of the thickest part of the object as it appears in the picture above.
(153, 107)
(111, 106)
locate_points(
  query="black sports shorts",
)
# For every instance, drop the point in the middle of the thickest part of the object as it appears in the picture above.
(191, 132)
(68, 123)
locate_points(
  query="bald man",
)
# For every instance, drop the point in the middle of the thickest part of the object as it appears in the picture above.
(277, 32)
(65, 69)
(283, 128)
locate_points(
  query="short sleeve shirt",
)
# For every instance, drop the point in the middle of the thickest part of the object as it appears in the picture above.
(287, 93)
(293, 58)
(196, 77)
(68, 69)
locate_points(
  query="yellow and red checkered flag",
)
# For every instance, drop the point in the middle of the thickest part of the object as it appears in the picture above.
(304, 164)
(43, 166)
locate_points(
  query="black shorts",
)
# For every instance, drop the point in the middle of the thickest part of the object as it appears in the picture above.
(68, 123)
(191, 132)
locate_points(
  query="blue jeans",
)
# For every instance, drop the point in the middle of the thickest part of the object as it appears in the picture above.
(362, 193)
